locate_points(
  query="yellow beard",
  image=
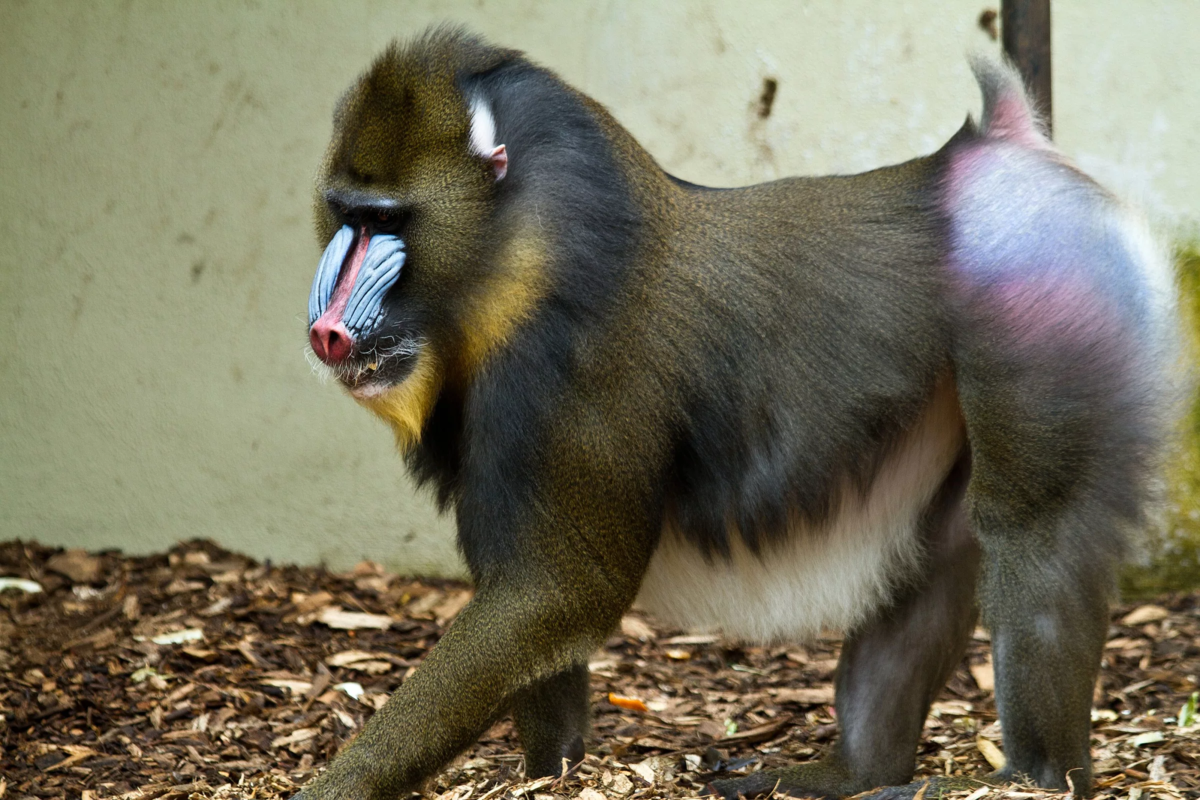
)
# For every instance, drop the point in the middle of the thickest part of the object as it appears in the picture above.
(406, 406)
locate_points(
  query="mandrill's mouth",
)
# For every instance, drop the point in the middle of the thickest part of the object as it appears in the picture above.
(387, 363)
(363, 380)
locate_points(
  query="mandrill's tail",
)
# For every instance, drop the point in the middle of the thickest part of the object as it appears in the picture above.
(1007, 111)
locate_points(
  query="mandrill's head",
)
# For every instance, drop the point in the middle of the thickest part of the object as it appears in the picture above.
(406, 206)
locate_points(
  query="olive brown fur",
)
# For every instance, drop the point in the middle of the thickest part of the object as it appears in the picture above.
(874, 402)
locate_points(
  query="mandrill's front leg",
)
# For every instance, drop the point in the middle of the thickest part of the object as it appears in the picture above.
(522, 642)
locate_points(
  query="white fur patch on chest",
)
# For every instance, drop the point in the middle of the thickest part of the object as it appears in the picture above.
(829, 576)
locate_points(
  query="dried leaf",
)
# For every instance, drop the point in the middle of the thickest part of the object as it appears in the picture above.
(366, 568)
(448, 609)
(991, 753)
(603, 665)
(176, 637)
(246, 648)
(306, 603)
(984, 675)
(354, 690)
(20, 584)
(320, 683)
(704, 638)
(76, 753)
(824, 667)
(813, 696)
(951, 708)
(621, 785)
(349, 657)
(75, 564)
(98, 640)
(339, 618)
(636, 628)
(175, 736)
(180, 693)
(219, 607)
(296, 736)
(422, 607)
(142, 674)
(1123, 643)
(644, 771)
(1143, 614)
(376, 700)
(627, 703)
(1150, 737)
(202, 654)
(759, 733)
(295, 687)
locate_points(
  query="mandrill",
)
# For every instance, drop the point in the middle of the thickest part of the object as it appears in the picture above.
(870, 402)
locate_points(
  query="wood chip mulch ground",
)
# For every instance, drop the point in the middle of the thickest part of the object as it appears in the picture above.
(201, 674)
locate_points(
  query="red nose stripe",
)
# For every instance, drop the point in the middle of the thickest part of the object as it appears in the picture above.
(328, 336)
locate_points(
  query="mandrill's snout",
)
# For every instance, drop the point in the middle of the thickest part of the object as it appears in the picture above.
(330, 340)
(346, 302)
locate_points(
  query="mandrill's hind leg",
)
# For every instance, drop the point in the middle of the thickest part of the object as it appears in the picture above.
(892, 668)
(552, 720)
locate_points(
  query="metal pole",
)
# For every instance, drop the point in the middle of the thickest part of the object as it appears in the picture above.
(1025, 33)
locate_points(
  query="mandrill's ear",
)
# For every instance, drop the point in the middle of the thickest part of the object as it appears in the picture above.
(499, 160)
(483, 138)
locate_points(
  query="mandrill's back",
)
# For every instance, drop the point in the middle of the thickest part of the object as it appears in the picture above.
(846, 261)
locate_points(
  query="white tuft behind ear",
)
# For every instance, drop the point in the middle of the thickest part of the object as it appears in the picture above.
(483, 127)
(483, 137)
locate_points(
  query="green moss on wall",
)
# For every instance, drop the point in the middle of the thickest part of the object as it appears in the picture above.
(1171, 558)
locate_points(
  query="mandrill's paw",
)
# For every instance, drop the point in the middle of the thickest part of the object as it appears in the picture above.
(930, 788)
(807, 782)
(828, 778)
(348, 784)
(313, 791)
(760, 783)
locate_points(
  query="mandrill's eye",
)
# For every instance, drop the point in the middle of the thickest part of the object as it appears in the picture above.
(386, 221)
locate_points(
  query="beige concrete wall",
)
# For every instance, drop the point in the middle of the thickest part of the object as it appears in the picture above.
(155, 253)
